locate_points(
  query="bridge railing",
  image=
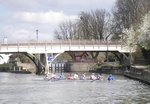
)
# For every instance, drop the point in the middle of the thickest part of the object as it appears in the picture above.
(70, 43)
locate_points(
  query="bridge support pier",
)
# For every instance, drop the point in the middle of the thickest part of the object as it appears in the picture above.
(46, 64)
(44, 61)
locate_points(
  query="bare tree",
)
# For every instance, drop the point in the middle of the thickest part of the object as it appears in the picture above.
(90, 25)
(94, 24)
(84, 25)
(67, 30)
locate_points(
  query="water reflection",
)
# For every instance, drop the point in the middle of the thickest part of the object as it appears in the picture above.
(31, 89)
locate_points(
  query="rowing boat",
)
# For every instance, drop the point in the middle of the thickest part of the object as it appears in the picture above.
(46, 79)
(77, 80)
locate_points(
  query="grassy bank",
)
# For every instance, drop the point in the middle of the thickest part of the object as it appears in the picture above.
(5, 65)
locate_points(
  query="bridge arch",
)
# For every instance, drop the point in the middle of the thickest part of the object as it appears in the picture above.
(39, 66)
(121, 55)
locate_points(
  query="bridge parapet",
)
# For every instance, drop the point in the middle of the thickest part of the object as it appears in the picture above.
(116, 42)
(61, 46)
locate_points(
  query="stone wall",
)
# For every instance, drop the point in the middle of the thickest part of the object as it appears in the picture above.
(80, 67)
(4, 69)
(111, 70)
(24, 66)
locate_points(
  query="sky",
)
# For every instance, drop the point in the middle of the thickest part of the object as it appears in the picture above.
(19, 19)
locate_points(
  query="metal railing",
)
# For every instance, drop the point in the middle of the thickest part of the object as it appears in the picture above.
(60, 42)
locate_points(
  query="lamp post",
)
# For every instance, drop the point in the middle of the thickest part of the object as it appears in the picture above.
(37, 34)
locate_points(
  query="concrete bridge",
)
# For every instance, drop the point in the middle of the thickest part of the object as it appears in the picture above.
(42, 48)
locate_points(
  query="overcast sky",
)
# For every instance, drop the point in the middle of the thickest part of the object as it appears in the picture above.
(19, 19)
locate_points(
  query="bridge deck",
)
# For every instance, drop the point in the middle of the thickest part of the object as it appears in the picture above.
(61, 46)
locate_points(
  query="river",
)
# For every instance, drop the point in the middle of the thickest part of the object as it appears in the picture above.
(32, 89)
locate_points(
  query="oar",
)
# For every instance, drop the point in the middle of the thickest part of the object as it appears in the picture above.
(94, 80)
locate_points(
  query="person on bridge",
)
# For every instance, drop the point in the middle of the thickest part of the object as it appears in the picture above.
(110, 77)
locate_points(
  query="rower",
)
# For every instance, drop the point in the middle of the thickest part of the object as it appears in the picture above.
(61, 76)
(98, 77)
(83, 76)
(110, 77)
(53, 77)
(75, 77)
(69, 76)
(47, 76)
(92, 77)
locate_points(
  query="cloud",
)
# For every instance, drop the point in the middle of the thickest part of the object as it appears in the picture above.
(20, 18)
(50, 17)
(22, 5)
(69, 6)
(15, 34)
(24, 24)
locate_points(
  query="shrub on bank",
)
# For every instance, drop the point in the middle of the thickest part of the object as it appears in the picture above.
(148, 66)
(100, 65)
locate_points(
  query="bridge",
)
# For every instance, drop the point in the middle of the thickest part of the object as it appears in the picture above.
(61, 46)
(30, 48)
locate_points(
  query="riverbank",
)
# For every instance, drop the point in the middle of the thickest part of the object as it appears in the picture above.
(20, 71)
(24, 69)
(110, 70)
(140, 73)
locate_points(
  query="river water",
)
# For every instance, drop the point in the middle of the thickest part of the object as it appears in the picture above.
(32, 89)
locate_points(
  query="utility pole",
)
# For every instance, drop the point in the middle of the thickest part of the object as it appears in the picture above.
(37, 34)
